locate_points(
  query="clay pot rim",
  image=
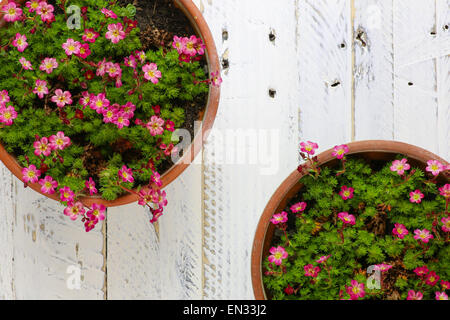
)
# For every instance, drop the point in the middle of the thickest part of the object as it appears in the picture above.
(282, 193)
(201, 27)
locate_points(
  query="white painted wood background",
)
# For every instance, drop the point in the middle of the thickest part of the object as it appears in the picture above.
(343, 70)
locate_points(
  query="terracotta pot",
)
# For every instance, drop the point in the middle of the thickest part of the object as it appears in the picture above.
(369, 150)
(202, 29)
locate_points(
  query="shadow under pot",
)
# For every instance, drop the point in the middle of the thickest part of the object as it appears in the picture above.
(358, 228)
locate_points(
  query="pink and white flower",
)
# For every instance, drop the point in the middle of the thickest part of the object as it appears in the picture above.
(32, 5)
(26, 65)
(110, 114)
(4, 97)
(90, 186)
(99, 103)
(279, 218)
(400, 166)
(340, 151)
(61, 98)
(298, 207)
(90, 35)
(85, 99)
(48, 185)
(445, 191)
(141, 56)
(109, 13)
(156, 179)
(11, 12)
(151, 72)
(71, 47)
(356, 290)
(42, 147)
(400, 230)
(278, 254)
(155, 126)
(441, 295)
(416, 196)
(311, 271)
(412, 295)
(126, 174)
(59, 141)
(66, 194)
(131, 61)
(308, 147)
(73, 210)
(160, 198)
(128, 110)
(30, 174)
(178, 44)
(423, 235)
(115, 32)
(435, 167)
(97, 212)
(48, 65)
(20, 42)
(347, 218)
(113, 69)
(216, 79)
(189, 45)
(346, 193)
(382, 267)
(7, 115)
(84, 51)
(40, 88)
(46, 10)
(121, 120)
(145, 196)
(446, 224)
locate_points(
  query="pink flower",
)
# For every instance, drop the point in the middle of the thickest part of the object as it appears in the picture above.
(113, 69)
(141, 56)
(85, 51)
(445, 191)
(99, 103)
(445, 285)
(308, 147)
(74, 210)
(156, 178)
(189, 45)
(277, 256)
(11, 12)
(400, 230)
(423, 235)
(90, 185)
(400, 166)
(178, 44)
(145, 196)
(71, 47)
(311, 271)
(441, 295)
(435, 167)
(128, 110)
(347, 218)
(115, 32)
(109, 13)
(200, 47)
(356, 290)
(41, 88)
(170, 126)
(85, 99)
(126, 174)
(151, 72)
(90, 35)
(421, 271)
(121, 120)
(382, 267)
(4, 97)
(26, 65)
(279, 218)
(340, 151)
(90, 224)
(432, 278)
(97, 212)
(298, 207)
(48, 65)
(20, 42)
(48, 185)
(168, 149)
(45, 10)
(131, 61)
(346, 193)
(101, 68)
(42, 147)
(446, 224)
(323, 259)
(62, 98)
(66, 194)
(412, 295)
(155, 126)
(7, 115)
(59, 141)
(32, 5)
(159, 198)
(110, 115)
(30, 174)
(416, 196)
(216, 79)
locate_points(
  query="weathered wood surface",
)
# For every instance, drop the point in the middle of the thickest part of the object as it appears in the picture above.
(337, 70)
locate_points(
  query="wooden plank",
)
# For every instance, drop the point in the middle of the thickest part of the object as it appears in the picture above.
(373, 70)
(415, 82)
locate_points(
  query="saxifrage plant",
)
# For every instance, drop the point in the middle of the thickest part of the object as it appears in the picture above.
(85, 110)
(362, 231)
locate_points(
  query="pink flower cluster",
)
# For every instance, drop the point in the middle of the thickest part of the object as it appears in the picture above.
(7, 113)
(189, 49)
(430, 277)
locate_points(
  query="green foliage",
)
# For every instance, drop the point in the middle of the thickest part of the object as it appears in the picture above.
(380, 200)
(182, 84)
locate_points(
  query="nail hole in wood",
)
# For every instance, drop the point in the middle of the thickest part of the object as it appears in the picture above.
(272, 93)
(342, 45)
(433, 33)
(361, 36)
(225, 64)
(446, 27)
(410, 84)
(335, 84)
(272, 36)
(224, 35)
